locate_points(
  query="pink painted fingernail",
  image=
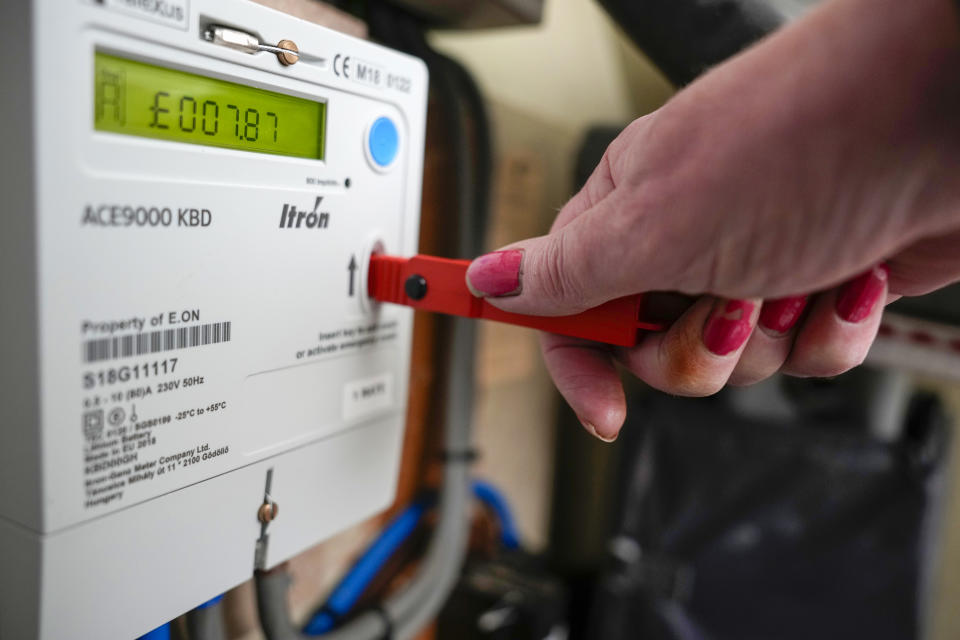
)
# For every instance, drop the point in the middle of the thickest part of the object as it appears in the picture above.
(729, 326)
(779, 316)
(858, 297)
(496, 274)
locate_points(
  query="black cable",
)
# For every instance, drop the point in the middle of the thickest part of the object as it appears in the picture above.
(457, 93)
(684, 38)
(482, 139)
(463, 106)
(468, 456)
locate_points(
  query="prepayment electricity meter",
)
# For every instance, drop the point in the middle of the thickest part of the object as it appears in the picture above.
(190, 191)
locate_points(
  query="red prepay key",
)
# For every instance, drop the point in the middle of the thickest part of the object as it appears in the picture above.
(439, 285)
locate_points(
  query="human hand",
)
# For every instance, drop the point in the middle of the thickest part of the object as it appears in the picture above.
(825, 159)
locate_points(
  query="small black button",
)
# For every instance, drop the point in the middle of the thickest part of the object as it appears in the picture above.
(415, 287)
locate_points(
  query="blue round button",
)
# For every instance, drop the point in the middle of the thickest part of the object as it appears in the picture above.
(383, 141)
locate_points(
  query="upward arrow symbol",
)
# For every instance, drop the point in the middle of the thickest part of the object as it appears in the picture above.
(352, 269)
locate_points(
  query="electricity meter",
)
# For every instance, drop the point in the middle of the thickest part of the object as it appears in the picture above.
(191, 192)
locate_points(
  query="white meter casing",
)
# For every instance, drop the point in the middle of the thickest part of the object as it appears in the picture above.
(185, 329)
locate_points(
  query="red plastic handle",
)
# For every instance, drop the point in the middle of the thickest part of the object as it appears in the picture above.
(439, 285)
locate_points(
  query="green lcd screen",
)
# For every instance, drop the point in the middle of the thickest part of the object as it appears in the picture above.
(142, 99)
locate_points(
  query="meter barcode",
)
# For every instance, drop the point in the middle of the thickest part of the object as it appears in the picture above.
(155, 341)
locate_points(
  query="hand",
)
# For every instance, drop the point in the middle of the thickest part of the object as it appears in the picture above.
(826, 159)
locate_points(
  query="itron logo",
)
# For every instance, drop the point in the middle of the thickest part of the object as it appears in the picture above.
(293, 218)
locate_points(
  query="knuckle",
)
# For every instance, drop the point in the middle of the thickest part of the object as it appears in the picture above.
(758, 362)
(685, 372)
(828, 362)
(750, 375)
(577, 385)
(556, 280)
(695, 387)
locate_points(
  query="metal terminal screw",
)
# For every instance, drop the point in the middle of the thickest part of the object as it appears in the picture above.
(268, 512)
(415, 287)
(289, 52)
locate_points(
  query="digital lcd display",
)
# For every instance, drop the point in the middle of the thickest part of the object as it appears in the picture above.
(141, 99)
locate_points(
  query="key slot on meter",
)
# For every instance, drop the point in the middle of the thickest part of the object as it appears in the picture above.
(286, 50)
(373, 246)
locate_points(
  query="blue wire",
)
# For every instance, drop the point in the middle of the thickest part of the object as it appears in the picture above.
(358, 578)
(160, 633)
(491, 496)
(353, 584)
(163, 631)
(211, 602)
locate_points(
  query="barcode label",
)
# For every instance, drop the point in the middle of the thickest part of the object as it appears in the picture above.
(138, 344)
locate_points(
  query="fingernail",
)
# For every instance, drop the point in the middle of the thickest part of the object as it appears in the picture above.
(729, 326)
(592, 430)
(496, 274)
(779, 316)
(858, 297)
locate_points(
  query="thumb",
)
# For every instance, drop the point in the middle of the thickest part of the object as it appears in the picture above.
(606, 252)
(532, 277)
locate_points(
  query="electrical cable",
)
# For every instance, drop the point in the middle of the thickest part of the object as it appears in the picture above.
(421, 600)
(472, 99)
(160, 633)
(490, 496)
(348, 591)
(345, 595)
(460, 95)
(415, 607)
(684, 38)
(205, 622)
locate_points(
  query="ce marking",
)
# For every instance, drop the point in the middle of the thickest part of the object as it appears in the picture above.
(341, 66)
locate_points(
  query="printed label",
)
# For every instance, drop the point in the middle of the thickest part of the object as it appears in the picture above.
(350, 339)
(132, 409)
(364, 397)
(174, 13)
